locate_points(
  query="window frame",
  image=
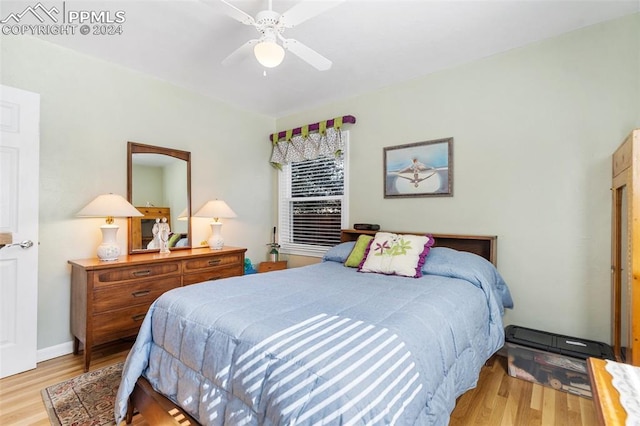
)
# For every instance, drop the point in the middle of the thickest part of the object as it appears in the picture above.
(285, 219)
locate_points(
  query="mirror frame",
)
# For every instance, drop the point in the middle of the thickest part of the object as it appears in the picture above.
(139, 148)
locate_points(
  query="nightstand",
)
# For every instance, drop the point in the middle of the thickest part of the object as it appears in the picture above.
(272, 266)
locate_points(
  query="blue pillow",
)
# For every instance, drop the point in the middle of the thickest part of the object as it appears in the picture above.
(339, 253)
(459, 264)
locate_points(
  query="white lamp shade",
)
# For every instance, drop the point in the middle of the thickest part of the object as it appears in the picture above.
(109, 205)
(270, 54)
(216, 209)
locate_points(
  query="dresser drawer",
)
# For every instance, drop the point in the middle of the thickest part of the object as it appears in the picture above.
(117, 275)
(118, 324)
(111, 297)
(204, 263)
(213, 274)
(272, 266)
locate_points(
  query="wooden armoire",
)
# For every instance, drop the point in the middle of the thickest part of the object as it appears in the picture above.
(625, 250)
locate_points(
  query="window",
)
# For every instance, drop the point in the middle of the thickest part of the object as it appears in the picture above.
(313, 203)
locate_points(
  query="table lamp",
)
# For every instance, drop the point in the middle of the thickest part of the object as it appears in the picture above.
(184, 215)
(216, 209)
(109, 206)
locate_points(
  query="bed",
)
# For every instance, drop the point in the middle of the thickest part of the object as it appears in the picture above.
(322, 344)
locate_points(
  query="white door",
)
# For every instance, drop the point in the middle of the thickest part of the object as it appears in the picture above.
(19, 167)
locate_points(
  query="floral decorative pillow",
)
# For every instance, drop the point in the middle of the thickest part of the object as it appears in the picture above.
(397, 254)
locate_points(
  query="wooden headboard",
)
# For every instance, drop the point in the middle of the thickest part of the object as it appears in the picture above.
(482, 245)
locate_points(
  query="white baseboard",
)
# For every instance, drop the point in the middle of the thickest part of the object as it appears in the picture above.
(54, 351)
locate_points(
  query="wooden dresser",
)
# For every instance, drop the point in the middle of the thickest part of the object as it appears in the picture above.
(109, 300)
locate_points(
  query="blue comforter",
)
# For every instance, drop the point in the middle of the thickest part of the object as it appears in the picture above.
(323, 344)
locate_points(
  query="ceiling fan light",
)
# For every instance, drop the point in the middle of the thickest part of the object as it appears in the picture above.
(269, 54)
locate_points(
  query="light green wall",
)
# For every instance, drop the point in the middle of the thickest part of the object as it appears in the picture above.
(149, 185)
(175, 182)
(534, 130)
(89, 110)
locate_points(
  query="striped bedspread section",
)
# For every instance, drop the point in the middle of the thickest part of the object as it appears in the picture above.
(374, 363)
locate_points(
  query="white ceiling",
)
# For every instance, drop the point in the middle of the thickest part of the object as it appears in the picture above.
(372, 44)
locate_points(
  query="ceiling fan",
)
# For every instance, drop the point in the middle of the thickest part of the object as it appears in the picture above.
(270, 25)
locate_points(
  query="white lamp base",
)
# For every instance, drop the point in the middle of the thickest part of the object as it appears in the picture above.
(109, 249)
(216, 242)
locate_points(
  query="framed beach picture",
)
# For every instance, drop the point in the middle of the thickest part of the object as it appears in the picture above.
(421, 169)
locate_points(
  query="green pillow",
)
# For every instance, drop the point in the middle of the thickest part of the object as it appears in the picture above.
(356, 255)
(173, 240)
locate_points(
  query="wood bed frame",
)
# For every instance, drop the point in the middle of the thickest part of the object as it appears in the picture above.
(159, 410)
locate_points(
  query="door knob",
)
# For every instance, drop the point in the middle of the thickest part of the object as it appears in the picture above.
(24, 244)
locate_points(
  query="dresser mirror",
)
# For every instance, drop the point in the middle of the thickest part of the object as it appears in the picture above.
(159, 186)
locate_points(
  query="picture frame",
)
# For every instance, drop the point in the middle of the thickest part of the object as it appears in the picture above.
(421, 169)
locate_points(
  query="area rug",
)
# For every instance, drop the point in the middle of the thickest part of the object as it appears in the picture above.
(85, 400)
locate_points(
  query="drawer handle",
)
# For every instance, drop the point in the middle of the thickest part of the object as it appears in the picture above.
(138, 317)
(142, 273)
(214, 262)
(140, 293)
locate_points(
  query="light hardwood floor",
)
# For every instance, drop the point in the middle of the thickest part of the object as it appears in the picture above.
(498, 400)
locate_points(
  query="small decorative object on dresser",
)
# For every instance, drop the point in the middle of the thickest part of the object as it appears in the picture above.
(110, 300)
(163, 236)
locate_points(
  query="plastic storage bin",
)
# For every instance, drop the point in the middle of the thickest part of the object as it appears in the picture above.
(552, 359)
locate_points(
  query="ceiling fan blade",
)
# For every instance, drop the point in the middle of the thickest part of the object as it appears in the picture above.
(305, 10)
(240, 54)
(237, 14)
(307, 54)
